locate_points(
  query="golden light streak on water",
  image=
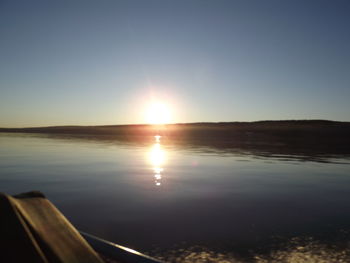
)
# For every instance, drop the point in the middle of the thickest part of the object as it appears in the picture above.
(157, 158)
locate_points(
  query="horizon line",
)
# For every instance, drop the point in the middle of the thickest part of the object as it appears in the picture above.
(178, 123)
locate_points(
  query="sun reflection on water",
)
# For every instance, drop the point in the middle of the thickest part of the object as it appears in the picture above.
(157, 159)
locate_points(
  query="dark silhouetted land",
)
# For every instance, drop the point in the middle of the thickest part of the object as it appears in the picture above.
(288, 130)
(330, 136)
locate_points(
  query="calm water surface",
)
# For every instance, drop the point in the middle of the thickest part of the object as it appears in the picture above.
(185, 203)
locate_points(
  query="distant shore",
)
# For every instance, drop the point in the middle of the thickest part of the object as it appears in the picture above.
(307, 138)
(311, 130)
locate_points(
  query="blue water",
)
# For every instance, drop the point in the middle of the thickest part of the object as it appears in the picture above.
(171, 200)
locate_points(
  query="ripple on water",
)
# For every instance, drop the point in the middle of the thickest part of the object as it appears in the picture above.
(296, 251)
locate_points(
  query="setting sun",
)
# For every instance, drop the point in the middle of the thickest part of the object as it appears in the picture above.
(158, 113)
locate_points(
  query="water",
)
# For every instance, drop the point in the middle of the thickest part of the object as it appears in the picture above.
(190, 201)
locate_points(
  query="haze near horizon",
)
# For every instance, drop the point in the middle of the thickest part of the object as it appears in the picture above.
(123, 62)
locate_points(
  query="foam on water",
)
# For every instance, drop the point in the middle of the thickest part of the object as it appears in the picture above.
(296, 251)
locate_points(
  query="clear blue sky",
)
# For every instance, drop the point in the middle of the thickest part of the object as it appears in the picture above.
(98, 62)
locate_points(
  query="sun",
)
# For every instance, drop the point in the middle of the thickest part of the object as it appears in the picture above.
(158, 113)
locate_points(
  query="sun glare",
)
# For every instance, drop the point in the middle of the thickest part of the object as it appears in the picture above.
(157, 155)
(158, 113)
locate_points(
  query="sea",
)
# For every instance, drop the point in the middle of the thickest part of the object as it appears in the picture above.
(190, 201)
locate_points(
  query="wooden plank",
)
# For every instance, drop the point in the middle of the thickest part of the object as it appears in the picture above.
(48, 230)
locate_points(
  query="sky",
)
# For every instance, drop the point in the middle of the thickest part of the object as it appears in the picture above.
(103, 62)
